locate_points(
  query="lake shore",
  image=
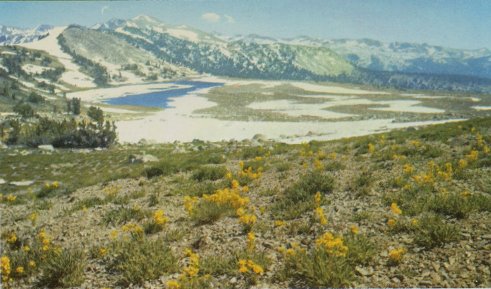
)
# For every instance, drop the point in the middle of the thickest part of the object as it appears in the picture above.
(179, 122)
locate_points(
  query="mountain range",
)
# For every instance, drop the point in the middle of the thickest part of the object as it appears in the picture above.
(151, 49)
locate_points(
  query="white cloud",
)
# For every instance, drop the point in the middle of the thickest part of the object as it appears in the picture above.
(103, 9)
(211, 17)
(229, 18)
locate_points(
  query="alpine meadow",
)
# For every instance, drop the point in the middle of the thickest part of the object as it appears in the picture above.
(245, 144)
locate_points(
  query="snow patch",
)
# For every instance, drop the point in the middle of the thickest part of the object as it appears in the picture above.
(183, 34)
(35, 69)
(72, 74)
(481, 107)
(291, 108)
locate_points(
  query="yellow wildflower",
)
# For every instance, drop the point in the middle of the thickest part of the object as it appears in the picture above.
(26, 248)
(189, 203)
(279, 223)
(243, 266)
(246, 265)
(479, 140)
(102, 251)
(193, 268)
(371, 148)
(414, 222)
(11, 198)
(235, 184)
(5, 265)
(12, 238)
(472, 156)
(333, 245)
(240, 212)
(462, 164)
(391, 223)
(355, 230)
(33, 217)
(32, 264)
(395, 209)
(332, 156)
(227, 197)
(248, 219)
(321, 216)
(19, 270)
(317, 199)
(408, 169)
(257, 269)
(395, 255)
(159, 218)
(465, 194)
(262, 209)
(318, 165)
(173, 284)
(251, 238)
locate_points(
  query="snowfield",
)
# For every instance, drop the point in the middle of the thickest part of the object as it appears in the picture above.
(72, 74)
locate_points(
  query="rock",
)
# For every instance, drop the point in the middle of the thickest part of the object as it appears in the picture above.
(260, 137)
(435, 278)
(425, 282)
(436, 266)
(2, 181)
(138, 159)
(364, 271)
(395, 280)
(486, 237)
(233, 280)
(255, 143)
(3, 146)
(48, 148)
(22, 183)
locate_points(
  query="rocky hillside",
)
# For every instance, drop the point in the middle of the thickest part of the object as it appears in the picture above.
(121, 60)
(408, 208)
(206, 53)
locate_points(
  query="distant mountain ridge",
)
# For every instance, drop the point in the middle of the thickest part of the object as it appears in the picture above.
(13, 35)
(150, 49)
(413, 58)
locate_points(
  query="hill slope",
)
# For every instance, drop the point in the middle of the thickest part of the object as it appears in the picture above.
(121, 60)
(405, 208)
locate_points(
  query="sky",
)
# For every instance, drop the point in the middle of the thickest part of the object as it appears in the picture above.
(449, 23)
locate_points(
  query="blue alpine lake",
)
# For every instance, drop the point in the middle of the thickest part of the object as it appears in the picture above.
(160, 98)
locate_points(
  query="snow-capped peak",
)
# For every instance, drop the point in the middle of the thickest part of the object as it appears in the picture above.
(14, 35)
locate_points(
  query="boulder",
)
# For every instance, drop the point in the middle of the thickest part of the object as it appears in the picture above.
(144, 158)
(22, 183)
(260, 137)
(48, 148)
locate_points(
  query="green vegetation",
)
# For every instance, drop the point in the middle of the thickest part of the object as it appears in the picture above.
(64, 269)
(232, 215)
(143, 260)
(299, 197)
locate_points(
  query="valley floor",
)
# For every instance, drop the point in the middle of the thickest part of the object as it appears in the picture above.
(290, 112)
(408, 208)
